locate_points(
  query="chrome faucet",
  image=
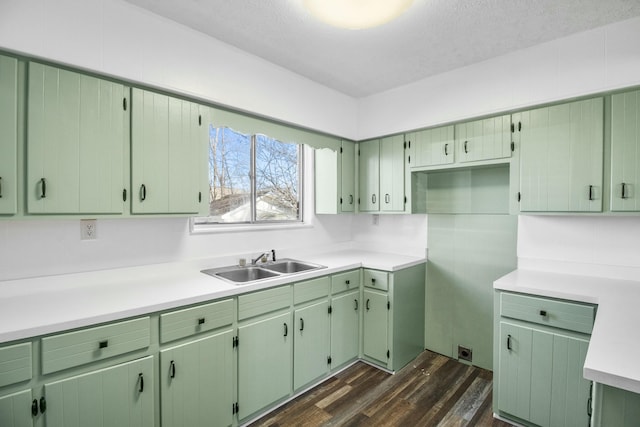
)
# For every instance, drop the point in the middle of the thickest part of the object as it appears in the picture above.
(254, 261)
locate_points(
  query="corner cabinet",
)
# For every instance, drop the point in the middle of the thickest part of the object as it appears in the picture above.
(393, 316)
(541, 345)
(168, 154)
(77, 143)
(335, 179)
(561, 158)
(625, 152)
(8, 135)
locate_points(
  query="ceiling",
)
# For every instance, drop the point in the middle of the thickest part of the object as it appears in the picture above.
(432, 37)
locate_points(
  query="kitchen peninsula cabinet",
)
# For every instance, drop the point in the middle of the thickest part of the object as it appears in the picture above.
(335, 179)
(561, 157)
(168, 154)
(625, 152)
(615, 407)
(77, 143)
(8, 135)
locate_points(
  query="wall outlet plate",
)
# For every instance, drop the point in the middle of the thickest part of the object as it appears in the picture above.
(465, 353)
(88, 229)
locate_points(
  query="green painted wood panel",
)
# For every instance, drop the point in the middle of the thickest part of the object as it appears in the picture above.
(343, 282)
(375, 325)
(328, 174)
(196, 386)
(77, 134)
(15, 363)
(561, 159)
(345, 320)
(392, 176)
(15, 410)
(369, 175)
(119, 396)
(311, 343)
(615, 407)
(310, 290)
(262, 302)
(71, 349)
(348, 176)
(625, 151)
(8, 135)
(484, 139)
(375, 279)
(264, 363)
(432, 147)
(195, 320)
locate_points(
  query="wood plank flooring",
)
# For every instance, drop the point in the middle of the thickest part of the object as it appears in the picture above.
(433, 390)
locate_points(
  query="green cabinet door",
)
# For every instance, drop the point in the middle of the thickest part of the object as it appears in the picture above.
(196, 382)
(15, 410)
(311, 343)
(345, 321)
(561, 158)
(485, 139)
(77, 137)
(615, 407)
(369, 179)
(348, 177)
(392, 176)
(167, 140)
(120, 396)
(264, 363)
(376, 326)
(625, 151)
(335, 179)
(432, 147)
(541, 376)
(8, 135)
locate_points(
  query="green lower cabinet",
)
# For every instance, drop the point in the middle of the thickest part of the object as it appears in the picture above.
(615, 407)
(15, 410)
(540, 376)
(376, 326)
(264, 363)
(196, 382)
(119, 396)
(311, 344)
(345, 320)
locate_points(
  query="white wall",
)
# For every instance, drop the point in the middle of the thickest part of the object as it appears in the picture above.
(116, 38)
(603, 59)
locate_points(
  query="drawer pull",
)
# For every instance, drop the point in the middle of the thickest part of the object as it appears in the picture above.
(543, 313)
(103, 344)
(140, 382)
(373, 281)
(34, 407)
(201, 321)
(43, 405)
(172, 368)
(347, 282)
(509, 342)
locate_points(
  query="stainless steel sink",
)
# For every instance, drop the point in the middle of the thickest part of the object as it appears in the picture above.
(243, 275)
(288, 266)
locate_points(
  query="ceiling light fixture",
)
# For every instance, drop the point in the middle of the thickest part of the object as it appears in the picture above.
(357, 14)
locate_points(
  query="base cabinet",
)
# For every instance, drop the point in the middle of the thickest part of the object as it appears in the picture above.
(376, 326)
(119, 396)
(311, 343)
(615, 407)
(345, 321)
(196, 382)
(15, 410)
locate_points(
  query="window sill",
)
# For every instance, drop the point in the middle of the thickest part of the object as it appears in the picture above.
(243, 228)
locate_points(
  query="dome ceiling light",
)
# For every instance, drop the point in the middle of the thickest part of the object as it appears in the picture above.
(357, 14)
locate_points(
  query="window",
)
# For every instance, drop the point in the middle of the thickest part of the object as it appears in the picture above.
(252, 179)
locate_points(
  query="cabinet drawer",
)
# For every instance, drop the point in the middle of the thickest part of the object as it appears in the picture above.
(191, 321)
(15, 363)
(345, 281)
(262, 302)
(89, 345)
(559, 314)
(376, 279)
(311, 289)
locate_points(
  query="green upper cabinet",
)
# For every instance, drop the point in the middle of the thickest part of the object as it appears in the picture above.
(77, 139)
(369, 170)
(8, 134)
(625, 151)
(392, 176)
(432, 147)
(561, 157)
(168, 154)
(484, 139)
(335, 179)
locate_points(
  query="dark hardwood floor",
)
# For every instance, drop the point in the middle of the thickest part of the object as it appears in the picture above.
(433, 390)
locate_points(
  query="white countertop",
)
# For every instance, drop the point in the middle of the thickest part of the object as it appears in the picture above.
(612, 357)
(44, 305)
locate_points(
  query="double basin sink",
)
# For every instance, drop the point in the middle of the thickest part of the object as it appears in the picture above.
(244, 275)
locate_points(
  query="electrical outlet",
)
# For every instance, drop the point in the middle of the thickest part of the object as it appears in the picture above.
(376, 219)
(88, 229)
(465, 353)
